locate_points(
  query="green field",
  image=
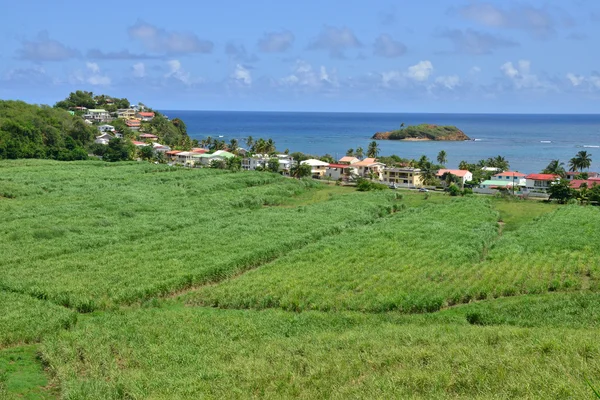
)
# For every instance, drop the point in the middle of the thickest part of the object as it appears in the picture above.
(135, 281)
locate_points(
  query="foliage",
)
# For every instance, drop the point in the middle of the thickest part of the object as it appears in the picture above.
(561, 191)
(581, 161)
(31, 131)
(300, 170)
(453, 190)
(273, 164)
(373, 149)
(442, 157)
(172, 133)
(365, 185)
(119, 150)
(555, 167)
(146, 152)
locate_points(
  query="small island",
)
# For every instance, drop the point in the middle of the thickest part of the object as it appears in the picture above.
(423, 132)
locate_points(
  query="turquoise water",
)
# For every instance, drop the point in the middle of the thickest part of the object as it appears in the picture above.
(528, 142)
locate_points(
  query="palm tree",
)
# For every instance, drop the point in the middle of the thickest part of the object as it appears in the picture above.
(573, 164)
(208, 141)
(350, 152)
(583, 160)
(270, 146)
(373, 150)
(423, 162)
(555, 167)
(501, 163)
(441, 157)
(233, 145)
(359, 153)
(249, 141)
(463, 165)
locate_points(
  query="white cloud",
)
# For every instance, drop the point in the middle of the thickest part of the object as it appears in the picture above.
(420, 71)
(276, 42)
(470, 41)
(509, 70)
(177, 72)
(139, 70)
(521, 77)
(96, 78)
(335, 41)
(475, 70)
(305, 76)
(158, 40)
(449, 82)
(241, 75)
(575, 80)
(386, 46)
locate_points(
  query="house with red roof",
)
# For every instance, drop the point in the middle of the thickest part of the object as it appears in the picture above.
(148, 136)
(145, 116)
(540, 182)
(370, 167)
(341, 171)
(590, 182)
(516, 178)
(133, 124)
(570, 175)
(463, 174)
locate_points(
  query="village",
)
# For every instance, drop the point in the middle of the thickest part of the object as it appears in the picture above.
(346, 170)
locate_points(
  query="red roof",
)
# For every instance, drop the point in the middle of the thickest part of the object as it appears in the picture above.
(576, 183)
(132, 123)
(148, 135)
(146, 114)
(173, 152)
(340, 165)
(458, 172)
(542, 177)
(510, 173)
(199, 150)
(137, 143)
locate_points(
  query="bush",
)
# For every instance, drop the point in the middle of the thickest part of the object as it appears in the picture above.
(453, 190)
(365, 185)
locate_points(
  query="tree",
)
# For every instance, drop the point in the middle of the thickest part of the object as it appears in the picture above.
(350, 152)
(234, 164)
(249, 142)
(555, 167)
(217, 164)
(561, 191)
(300, 170)
(453, 190)
(441, 157)
(118, 150)
(373, 149)
(146, 152)
(581, 161)
(450, 179)
(464, 165)
(359, 153)
(273, 164)
(233, 145)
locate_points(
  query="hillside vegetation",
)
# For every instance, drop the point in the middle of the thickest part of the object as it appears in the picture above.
(423, 132)
(135, 280)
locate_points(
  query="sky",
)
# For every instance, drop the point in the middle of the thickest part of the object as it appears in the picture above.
(457, 56)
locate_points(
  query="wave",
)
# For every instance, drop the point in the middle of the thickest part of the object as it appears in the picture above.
(477, 140)
(595, 147)
(545, 141)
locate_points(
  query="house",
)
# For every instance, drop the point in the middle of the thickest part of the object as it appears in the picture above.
(540, 182)
(590, 182)
(126, 113)
(104, 138)
(98, 115)
(106, 128)
(262, 160)
(199, 150)
(185, 157)
(409, 177)
(317, 167)
(206, 159)
(509, 176)
(463, 174)
(161, 148)
(348, 160)
(341, 171)
(133, 124)
(145, 116)
(139, 144)
(370, 168)
(570, 175)
(172, 154)
(148, 136)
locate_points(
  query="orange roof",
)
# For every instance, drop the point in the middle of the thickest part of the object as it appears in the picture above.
(146, 114)
(173, 152)
(542, 177)
(365, 163)
(511, 173)
(348, 159)
(457, 172)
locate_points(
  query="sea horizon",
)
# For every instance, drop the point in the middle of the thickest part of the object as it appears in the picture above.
(528, 141)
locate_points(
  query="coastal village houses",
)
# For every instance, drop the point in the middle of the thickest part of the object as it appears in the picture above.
(317, 167)
(407, 177)
(463, 174)
(370, 168)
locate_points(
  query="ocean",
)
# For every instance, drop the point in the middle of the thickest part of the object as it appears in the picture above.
(527, 141)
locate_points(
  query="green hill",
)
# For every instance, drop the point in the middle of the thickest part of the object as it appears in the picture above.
(423, 132)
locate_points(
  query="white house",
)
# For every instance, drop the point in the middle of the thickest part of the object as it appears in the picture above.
(98, 115)
(540, 182)
(463, 174)
(341, 171)
(262, 160)
(369, 167)
(104, 138)
(106, 128)
(317, 167)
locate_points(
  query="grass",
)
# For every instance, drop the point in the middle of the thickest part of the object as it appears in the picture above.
(183, 352)
(22, 376)
(26, 320)
(403, 295)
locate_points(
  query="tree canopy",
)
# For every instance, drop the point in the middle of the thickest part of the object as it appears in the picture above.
(32, 131)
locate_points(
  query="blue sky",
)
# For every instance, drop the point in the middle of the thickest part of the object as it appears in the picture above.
(377, 55)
